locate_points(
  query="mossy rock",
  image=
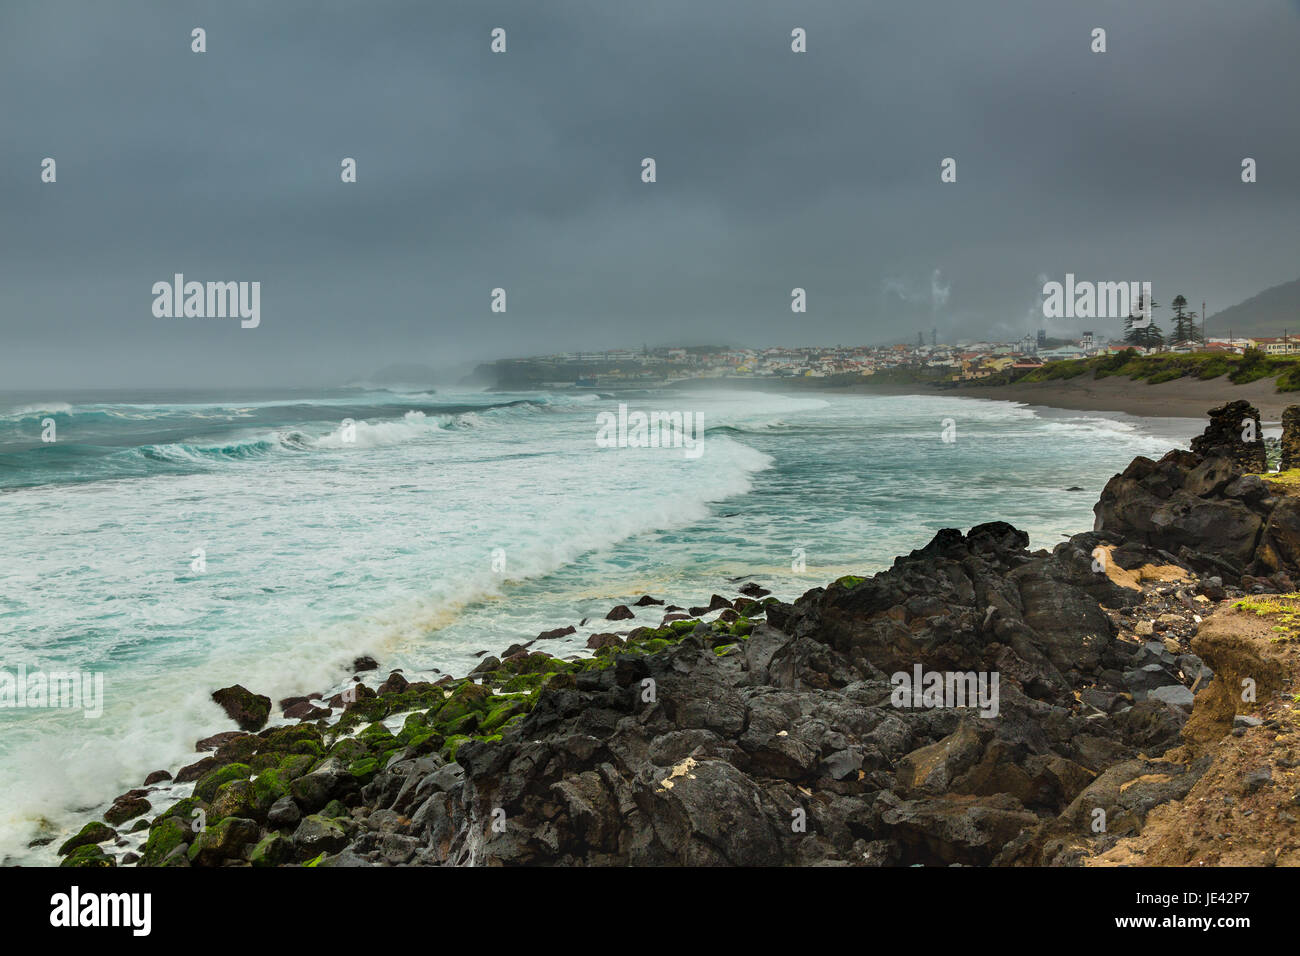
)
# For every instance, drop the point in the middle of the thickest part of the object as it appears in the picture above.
(89, 855)
(89, 835)
(452, 745)
(272, 850)
(165, 835)
(241, 749)
(364, 712)
(364, 769)
(465, 724)
(722, 650)
(742, 627)
(335, 809)
(348, 750)
(415, 725)
(261, 762)
(236, 798)
(296, 765)
(250, 711)
(849, 581)
(268, 787)
(377, 737)
(524, 683)
(182, 810)
(285, 739)
(499, 714)
(427, 743)
(211, 781)
(466, 698)
(223, 841)
(537, 662)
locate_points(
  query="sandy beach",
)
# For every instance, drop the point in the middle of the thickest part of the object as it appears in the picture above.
(1181, 398)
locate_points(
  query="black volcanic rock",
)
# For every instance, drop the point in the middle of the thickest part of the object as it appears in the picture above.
(1234, 433)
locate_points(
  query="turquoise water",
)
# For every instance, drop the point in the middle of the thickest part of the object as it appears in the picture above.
(441, 525)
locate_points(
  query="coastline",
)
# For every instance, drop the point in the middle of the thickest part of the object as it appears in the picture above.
(1183, 398)
(649, 751)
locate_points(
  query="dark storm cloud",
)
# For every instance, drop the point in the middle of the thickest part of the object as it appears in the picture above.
(522, 170)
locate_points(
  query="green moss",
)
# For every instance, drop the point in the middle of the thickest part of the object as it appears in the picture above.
(211, 781)
(91, 855)
(742, 627)
(92, 833)
(182, 810)
(468, 697)
(295, 765)
(509, 706)
(364, 769)
(849, 581)
(164, 836)
(452, 745)
(268, 787)
(235, 798)
(272, 850)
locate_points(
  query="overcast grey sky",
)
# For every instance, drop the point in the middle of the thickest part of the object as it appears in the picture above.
(522, 170)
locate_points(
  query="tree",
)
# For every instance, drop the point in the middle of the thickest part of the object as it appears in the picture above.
(1140, 327)
(1184, 331)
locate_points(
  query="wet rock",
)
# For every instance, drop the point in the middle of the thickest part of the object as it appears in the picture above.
(556, 633)
(395, 684)
(223, 841)
(91, 833)
(127, 807)
(250, 711)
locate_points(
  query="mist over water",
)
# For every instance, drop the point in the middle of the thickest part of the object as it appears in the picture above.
(322, 542)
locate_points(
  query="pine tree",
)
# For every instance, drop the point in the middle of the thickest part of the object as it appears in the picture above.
(1184, 331)
(1148, 334)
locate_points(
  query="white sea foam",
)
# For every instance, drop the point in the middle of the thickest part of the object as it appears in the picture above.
(317, 550)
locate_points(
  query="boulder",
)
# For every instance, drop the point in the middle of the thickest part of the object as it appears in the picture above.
(250, 711)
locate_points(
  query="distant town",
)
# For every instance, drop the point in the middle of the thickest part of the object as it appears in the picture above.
(930, 360)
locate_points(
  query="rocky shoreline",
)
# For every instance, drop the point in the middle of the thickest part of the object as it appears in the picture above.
(1096, 685)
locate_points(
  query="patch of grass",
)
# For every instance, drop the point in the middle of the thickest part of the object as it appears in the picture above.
(1288, 482)
(1282, 609)
(1162, 367)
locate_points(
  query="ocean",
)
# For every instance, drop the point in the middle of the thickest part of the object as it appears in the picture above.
(174, 543)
